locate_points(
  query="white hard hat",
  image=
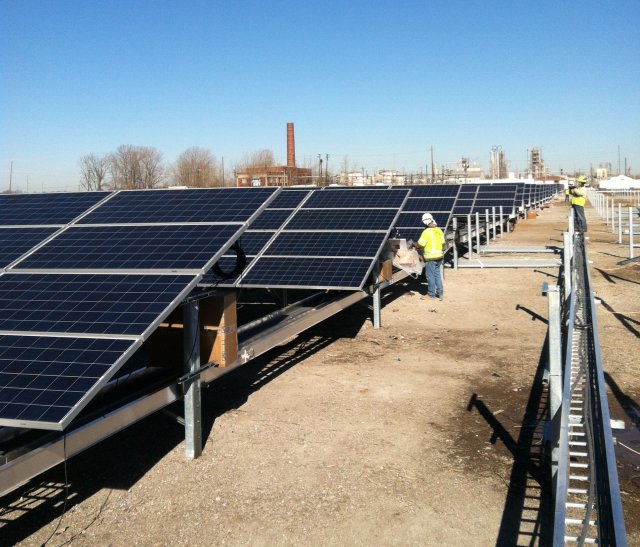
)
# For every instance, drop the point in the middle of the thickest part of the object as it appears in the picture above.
(427, 218)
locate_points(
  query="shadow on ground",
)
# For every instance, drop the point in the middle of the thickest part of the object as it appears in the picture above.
(527, 517)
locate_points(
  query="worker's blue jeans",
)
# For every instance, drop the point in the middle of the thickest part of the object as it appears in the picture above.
(434, 278)
(579, 218)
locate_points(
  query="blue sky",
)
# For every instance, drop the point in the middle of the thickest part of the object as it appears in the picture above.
(375, 82)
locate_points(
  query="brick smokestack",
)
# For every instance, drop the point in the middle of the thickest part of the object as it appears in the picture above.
(291, 146)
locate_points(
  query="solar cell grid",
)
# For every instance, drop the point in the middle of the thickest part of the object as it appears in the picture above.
(271, 219)
(42, 378)
(132, 247)
(180, 206)
(356, 199)
(39, 209)
(14, 242)
(342, 219)
(429, 204)
(86, 303)
(288, 200)
(326, 244)
(330, 273)
(434, 190)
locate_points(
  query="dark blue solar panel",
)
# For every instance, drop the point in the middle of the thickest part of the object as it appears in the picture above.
(38, 209)
(326, 244)
(434, 190)
(14, 242)
(413, 221)
(466, 189)
(132, 247)
(482, 204)
(42, 378)
(86, 303)
(463, 206)
(194, 205)
(429, 205)
(288, 200)
(330, 273)
(252, 242)
(271, 219)
(336, 219)
(355, 198)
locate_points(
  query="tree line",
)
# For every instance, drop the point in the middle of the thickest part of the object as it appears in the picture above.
(132, 167)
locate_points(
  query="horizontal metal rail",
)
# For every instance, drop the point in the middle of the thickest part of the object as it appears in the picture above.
(588, 508)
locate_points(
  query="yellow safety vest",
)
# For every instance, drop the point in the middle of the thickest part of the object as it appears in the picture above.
(432, 241)
(578, 200)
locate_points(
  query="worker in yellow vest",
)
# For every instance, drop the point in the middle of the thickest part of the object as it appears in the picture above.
(578, 201)
(432, 244)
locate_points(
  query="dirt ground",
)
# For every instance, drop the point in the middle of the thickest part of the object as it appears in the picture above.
(426, 431)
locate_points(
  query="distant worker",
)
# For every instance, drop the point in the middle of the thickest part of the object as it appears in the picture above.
(578, 201)
(567, 191)
(432, 244)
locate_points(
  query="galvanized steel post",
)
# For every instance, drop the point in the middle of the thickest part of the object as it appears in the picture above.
(478, 232)
(455, 244)
(470, 236)
(192, 396)
(631, 232)
(554, 368)
(493, 219)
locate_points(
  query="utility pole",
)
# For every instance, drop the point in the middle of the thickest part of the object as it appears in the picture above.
(319, 167)
(223, 184)
(10, 176)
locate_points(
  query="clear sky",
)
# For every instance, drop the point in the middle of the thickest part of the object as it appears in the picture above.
(376, 82)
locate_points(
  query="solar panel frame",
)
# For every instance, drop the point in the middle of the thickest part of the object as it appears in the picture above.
(47, 209)
(89, 304)
(15, 242)
(130, 247)
(307, 273)
(46, 381)
(207, 205)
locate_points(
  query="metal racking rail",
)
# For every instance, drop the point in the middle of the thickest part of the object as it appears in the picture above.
(588, 508)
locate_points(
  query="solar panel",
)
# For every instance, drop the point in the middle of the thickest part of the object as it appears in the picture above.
(42, 378)
(271, 219)
(463, 206)
(132, 247)
(410, 224)
(288, 200)
(355, 199)
(429, 204)
(325, 244)
(116, 304)
(45, 209)
(337, 219)
(180, 206)
(434, 190)
(14, 242)
(325, 273)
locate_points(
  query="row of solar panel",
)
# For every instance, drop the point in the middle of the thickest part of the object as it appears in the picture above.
(63, 335)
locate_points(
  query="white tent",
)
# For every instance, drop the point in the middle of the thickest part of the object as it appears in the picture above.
(621, 182)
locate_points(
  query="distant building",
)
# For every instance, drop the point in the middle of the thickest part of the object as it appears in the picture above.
(276, 175)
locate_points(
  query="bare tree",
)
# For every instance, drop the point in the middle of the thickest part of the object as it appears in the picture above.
(259, 158)
(135, 167)
(197, 167)
(93, 171)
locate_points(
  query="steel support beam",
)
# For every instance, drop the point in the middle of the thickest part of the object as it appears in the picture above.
(192, 395)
